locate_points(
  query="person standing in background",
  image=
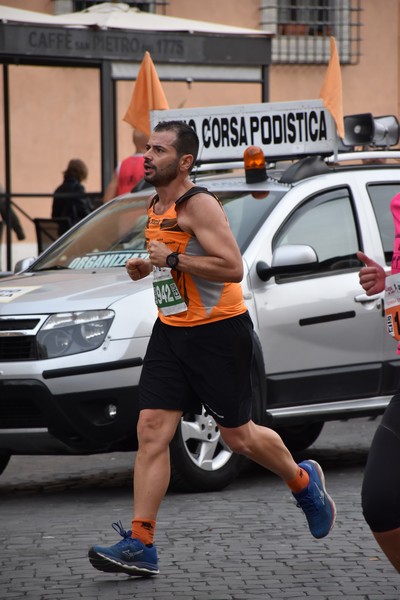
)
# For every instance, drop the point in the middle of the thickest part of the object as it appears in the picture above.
(70, 200)
(129, 171)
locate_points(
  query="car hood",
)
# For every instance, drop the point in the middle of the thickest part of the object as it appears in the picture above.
(65, 291)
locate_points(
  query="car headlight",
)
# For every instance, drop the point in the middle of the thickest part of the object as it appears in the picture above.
(72, 333)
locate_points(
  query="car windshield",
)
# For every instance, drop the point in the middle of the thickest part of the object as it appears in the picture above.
(116, 232)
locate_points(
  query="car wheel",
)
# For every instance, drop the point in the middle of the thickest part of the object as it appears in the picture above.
(200, 460)
(4, 460)
(299, 437)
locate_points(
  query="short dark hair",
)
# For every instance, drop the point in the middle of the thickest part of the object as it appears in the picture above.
(187, 141)
(77, 169)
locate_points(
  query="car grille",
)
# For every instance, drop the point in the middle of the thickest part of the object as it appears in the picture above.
(18, 324)
(21, 347)
(18, 339)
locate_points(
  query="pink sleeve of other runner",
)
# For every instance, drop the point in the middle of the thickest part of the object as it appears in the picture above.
(395, 208)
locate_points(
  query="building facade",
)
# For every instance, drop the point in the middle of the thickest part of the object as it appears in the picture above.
(55, 113)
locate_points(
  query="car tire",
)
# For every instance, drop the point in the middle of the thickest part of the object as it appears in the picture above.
(4, 460)
(299, 437)
(200, 460)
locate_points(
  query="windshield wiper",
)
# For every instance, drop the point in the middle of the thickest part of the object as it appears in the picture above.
(52, 268)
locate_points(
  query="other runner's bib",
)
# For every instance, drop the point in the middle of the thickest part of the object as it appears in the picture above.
(392, 305)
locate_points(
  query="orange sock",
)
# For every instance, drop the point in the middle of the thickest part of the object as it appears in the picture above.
(300, 482)
(143, 530)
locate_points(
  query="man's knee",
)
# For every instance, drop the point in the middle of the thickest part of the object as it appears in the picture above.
(157, 426)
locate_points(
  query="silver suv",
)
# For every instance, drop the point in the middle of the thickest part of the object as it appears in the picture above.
(74, 328)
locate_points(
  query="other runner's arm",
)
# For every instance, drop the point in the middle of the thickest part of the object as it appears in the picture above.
(372, 276)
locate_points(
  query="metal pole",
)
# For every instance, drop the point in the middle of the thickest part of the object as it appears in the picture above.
(107, 118)
(7, 163)
(265, 84)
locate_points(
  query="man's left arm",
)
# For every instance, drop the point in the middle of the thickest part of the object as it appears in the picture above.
(203, 216)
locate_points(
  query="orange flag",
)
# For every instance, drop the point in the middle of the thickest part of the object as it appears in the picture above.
(147, 95)
(331, 90)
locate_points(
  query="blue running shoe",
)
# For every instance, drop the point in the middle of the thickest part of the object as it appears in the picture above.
(129, 556)
(317, 505)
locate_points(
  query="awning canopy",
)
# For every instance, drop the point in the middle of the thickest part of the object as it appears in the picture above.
(112, 15)
(120, 34)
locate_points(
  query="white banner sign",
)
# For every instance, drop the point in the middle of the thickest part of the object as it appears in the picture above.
(280, 129)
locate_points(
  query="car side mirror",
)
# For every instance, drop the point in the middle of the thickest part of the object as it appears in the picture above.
(287, 259)
(23, 264)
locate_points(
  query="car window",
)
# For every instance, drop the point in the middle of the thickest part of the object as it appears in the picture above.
(246, 213)
(326, 223)
(117, 231)
(381, 195)
(111, 236)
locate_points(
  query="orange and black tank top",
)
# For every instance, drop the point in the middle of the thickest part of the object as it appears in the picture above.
(206, 301)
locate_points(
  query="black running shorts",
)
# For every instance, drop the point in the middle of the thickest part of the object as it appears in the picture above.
(210, 365)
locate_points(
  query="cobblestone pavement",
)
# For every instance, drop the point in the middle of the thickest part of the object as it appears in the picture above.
(248, 542)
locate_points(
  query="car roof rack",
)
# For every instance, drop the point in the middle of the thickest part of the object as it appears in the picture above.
(318, 165)
(204, 167)
(372, 156)
(307, 166)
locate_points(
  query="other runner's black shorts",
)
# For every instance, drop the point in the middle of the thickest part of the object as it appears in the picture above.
(209, 365)
(381, 484)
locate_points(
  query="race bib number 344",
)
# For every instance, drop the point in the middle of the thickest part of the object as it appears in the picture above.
(392, 305)
(166, 294)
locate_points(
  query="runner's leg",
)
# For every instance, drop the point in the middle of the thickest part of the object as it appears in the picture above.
(262, 445)
(156, 428)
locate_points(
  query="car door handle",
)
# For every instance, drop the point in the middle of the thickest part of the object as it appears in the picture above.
(364, 298)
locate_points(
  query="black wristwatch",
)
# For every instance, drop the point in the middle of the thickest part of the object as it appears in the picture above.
(172, 260)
